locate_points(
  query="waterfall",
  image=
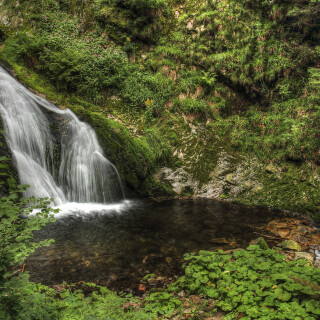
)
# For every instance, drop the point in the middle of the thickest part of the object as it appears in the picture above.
(64, 163)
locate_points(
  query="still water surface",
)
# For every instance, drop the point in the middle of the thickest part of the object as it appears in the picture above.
(118, 245)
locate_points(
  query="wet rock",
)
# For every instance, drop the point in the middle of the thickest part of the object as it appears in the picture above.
(291, 245)
(304, 255)
(142, 288)
(219, 241)
(260, 242)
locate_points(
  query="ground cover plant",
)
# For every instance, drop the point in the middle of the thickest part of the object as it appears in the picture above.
(254, 283)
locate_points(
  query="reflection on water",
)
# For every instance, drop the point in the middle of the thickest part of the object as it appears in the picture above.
(119, 246)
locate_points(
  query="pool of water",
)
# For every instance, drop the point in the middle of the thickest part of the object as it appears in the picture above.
(118, 245)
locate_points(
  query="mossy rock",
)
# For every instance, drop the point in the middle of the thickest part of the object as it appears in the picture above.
(260, 242)
(291, 245)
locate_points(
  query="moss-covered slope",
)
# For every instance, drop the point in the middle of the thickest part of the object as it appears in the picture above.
(218, 98)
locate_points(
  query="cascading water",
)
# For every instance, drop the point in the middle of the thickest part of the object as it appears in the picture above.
(81, 173)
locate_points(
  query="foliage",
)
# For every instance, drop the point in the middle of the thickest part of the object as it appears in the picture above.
(146, 90)
(145, 20)
(24, 48)
(254, 283)
(288, 131)
(161, 303)
(16, 230)
(195, 106)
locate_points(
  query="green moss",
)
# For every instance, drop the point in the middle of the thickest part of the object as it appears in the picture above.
(296, 188)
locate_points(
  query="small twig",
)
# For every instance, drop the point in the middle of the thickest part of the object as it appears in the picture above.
(211, 211)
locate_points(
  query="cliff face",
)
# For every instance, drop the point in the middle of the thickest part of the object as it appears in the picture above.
(195, 98)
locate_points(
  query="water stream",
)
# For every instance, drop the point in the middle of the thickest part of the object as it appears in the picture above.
(66, 164)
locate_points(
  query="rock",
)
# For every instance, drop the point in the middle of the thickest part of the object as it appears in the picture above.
(278, 224)
(260, 242)
(181, 294)
(180, 180)
(211, 304)
(152, 282)
(159, 279)
(257, 189)
(229, 179)
(169, 260)
(271, 168)
(219, 241)
(304, 256)
(291, 245)
(283, 233)
(302, 228)
(195, 299)
(142, 288)
(58, 287)
(317, 264)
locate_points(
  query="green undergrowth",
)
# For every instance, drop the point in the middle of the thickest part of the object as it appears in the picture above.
(254, 284)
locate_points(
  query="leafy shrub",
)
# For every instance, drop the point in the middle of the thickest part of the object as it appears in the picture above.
(158, 145)
(161, 303)
(194, 106)
(24, 48)
(144, 89)
(145, 20)
(254, 283)
(189, 80)
(89, 64)
(16, 245)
